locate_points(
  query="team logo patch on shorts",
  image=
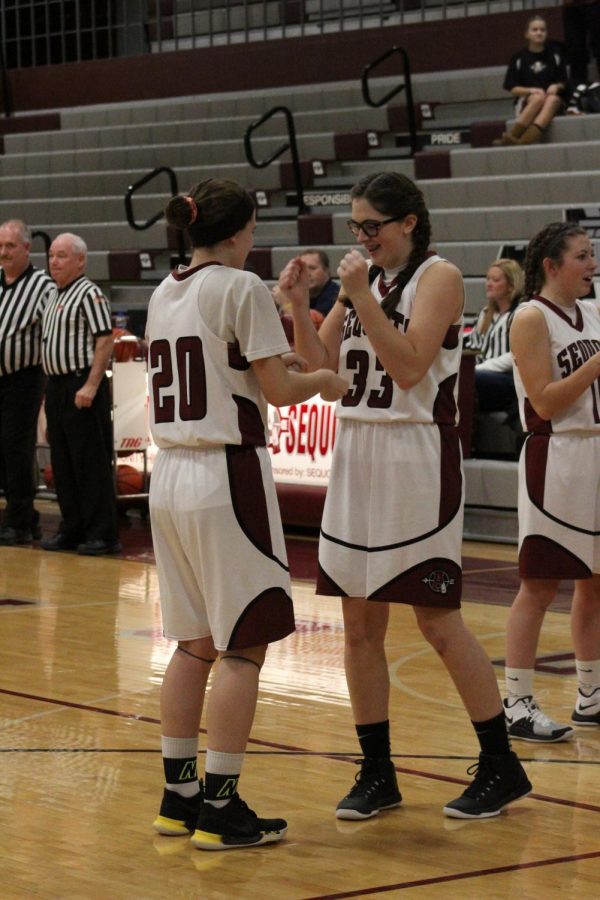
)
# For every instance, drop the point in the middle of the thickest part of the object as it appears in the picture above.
(438, 581)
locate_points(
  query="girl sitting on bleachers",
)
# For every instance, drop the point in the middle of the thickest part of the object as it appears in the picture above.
(537, 79)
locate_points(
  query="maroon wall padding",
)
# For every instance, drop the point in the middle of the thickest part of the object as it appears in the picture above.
(352, 145)
(20, 124)
(432, 164)
(124, 265)
(259, 261)
(315, 231)
(286, 175)
(398, 117)
(301, 504)
(483, 134)
(433, 47)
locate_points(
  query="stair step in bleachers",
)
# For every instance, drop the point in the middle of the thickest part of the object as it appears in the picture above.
(458, 86)
(194, 130)
(205, 153)
(460, 115)
(539, 158)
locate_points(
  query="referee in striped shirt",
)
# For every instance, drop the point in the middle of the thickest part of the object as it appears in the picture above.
(77, 345)
(24, 292)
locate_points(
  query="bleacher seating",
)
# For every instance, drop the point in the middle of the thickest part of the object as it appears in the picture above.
(75, 177)
(481, 197)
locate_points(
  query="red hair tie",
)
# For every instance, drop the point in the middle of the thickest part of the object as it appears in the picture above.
(192, 205)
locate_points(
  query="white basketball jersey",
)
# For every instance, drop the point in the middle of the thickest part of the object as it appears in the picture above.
(205, 326)
(574, 338)
(373, 395)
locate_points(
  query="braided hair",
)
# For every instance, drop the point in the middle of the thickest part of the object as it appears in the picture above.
(212, 211)
(549, 243)
(395, 195)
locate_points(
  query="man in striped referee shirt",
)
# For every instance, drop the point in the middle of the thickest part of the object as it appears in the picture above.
(77, 345)
(24, 292)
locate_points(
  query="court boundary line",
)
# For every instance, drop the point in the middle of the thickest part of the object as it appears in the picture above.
(459, 876)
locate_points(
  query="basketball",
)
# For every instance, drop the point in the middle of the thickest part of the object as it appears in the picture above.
(127, 345)
(48, 477)
(129, 480)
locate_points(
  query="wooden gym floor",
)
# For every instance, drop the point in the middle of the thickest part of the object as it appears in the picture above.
(82, 659)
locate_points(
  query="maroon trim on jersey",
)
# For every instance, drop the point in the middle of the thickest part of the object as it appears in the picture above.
(444, 405)
(450, 474)
(450, 498)
(536, 450)
(541, 557)
(436, 582)
(533, 422)
(578, 326)
(451, 338)
(327, 586)
(536, 461)
(235, 359)
(384, 288)
(267, 618)
(250, 422)
(248, 497)
(181, 276)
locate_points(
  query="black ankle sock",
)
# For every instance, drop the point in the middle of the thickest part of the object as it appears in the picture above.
(180, 771)
(374, 739)
(220, 787)
(492, 735)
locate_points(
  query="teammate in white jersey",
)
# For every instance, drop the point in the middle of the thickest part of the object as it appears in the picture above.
(555, 341)
(217, 354)
(392, 524)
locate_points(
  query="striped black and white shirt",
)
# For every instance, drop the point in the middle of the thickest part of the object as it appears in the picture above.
(74, 317)
(493, 349)
(21, 306)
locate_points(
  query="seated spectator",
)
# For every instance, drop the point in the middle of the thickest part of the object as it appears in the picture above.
(537, 79)
(323, 290)
(494, 381)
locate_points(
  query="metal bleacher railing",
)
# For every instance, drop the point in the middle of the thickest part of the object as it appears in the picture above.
(44, 32)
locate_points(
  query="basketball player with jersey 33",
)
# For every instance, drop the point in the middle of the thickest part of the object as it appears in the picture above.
(392, 524)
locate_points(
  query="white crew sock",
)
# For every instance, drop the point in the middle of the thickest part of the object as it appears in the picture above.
(588, 675)
(519, 682)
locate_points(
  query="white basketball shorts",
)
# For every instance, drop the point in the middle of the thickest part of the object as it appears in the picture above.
(219, 546)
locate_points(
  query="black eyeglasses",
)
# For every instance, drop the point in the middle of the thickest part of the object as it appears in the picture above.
(370, 227)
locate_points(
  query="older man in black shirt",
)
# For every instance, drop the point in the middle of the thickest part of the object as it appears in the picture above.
(77, 345)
